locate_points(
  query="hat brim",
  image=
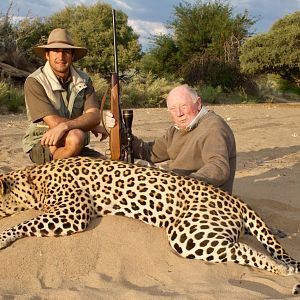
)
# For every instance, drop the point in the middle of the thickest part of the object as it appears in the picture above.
(79, 52)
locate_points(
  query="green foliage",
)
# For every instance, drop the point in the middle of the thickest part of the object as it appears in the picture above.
(289, 87)
(11, 98)
(146, 91)
(136, 89)
(32, 32)
(203, 47)
(208, 27)
(273, 86)
(215, 72)
(277, 51)
(100, 84)
(17, 39)
(91, 27)
(162, 59)
(215, 95)
(210, 94)
(7, 31)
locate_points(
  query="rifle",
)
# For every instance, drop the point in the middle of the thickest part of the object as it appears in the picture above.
(115, 107)
(117, 149)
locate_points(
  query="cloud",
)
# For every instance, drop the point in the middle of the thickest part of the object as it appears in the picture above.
(123, 4)
(146, 29)
(267, 11)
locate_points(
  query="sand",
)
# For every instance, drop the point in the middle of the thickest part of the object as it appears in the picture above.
(120, 258)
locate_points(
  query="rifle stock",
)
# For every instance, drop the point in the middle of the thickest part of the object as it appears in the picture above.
(115, 107)
(115, 133)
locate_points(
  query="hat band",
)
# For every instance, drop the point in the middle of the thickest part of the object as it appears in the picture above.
(62, 42)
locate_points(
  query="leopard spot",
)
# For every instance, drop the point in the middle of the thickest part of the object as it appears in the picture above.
(204, 243)
(183, 238)
(177, 248)
(199, 252)
(199, 235)
(190, 244)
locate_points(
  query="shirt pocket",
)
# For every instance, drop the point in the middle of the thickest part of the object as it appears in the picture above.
(78, 105)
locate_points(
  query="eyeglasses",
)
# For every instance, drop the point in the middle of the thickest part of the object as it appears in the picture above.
(173, 109)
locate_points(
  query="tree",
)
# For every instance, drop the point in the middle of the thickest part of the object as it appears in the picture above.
(277, 51)
(164, 58)
(205, 36)
(8, 38)
(17, 39)
(92, 27)
(31, 32)
(209, 28)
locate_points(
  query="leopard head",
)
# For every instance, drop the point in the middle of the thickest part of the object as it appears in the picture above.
(12, 198)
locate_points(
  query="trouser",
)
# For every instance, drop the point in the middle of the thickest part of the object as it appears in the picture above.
(40, 154)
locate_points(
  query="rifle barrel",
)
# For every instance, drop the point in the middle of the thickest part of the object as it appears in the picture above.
(115, 41)
(115, 133)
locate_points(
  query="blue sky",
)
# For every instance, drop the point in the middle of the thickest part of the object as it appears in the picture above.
(149, 16)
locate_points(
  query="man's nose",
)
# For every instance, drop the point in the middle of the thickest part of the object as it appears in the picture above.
(178, 111)
(60, 54)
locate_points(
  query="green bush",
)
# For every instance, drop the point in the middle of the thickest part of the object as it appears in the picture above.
(273, 85)
(212, 95)
(11, 98)
(209, 94)
(101, 87)
(289, 87)
(147, 91)
(137, 90)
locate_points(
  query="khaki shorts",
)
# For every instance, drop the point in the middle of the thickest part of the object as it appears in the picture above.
(40, 154)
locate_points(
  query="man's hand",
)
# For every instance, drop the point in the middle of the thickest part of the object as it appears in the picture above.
(110, 121)
(100, 130)
(54, 135)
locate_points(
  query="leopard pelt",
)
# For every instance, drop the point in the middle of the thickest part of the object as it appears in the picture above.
(201, 221)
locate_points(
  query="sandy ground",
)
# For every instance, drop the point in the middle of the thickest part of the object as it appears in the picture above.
(120, 258)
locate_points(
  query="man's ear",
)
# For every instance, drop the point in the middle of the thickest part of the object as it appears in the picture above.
(47, 54)
(199, 101)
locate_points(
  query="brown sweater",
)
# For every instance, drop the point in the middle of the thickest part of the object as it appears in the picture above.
(207, 152)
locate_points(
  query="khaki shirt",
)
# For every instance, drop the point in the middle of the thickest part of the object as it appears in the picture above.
(45, 95)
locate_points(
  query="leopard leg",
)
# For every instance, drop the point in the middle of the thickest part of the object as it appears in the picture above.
(199, 243)
(264, 235)
(245, 255)
(62, 219)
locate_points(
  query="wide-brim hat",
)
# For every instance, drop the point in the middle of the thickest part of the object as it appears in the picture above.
(60, 39)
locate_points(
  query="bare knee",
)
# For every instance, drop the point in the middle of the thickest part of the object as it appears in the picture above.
(72, 145)
(75, 141)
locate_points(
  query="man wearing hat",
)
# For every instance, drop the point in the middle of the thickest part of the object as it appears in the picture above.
(61, 103)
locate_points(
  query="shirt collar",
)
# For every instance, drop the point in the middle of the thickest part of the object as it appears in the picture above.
(196, 120)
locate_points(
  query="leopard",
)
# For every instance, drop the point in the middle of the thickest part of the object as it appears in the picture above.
(201, 221)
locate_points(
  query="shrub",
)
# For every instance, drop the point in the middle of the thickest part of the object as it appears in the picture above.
(147, 91)
(209, 94)
(11, 98)
(275, 85)
(137, 90)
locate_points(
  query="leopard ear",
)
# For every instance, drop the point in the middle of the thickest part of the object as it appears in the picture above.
(3, 187)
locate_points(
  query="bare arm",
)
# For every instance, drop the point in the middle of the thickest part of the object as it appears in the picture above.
(59, 126)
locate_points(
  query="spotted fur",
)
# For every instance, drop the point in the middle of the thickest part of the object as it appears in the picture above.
(201, 221)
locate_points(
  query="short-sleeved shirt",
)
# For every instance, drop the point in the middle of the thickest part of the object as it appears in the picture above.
(46, 95)
(39, 105)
